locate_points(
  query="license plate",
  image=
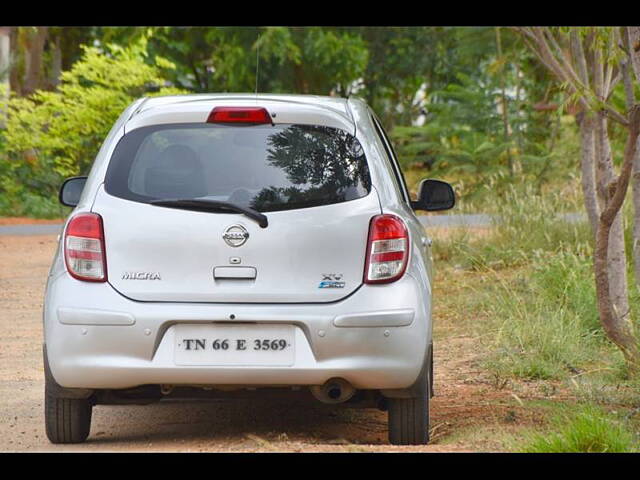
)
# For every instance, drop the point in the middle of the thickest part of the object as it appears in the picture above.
(247, 345)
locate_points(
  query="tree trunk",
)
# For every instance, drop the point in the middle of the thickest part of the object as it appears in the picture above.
(503, 105)
(636, 217)
(631, 69)
(5, 48)
(56, 64)
(33, 70)
(634, 54)
(14, 53)
(5, 43)
(617, 263)
(618, 327)
(586, 124)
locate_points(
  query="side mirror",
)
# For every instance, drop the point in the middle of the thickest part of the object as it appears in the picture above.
(434, 195)
(71, 190)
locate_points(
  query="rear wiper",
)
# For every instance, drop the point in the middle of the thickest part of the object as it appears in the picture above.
(213, 206)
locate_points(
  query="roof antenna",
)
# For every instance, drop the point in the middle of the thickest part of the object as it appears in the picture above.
(257, 64)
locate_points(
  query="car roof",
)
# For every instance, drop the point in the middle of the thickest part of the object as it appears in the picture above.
(195, 108)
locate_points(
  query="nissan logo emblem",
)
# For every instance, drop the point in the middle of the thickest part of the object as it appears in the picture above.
(235, 235)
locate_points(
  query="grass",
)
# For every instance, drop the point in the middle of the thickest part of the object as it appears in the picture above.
(536, 297)
(608, 384)
(525, 289)
(526, 226)
(587, 430)
(492, 437)
(542, 324)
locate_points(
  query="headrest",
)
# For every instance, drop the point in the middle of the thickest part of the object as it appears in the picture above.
(177, 174)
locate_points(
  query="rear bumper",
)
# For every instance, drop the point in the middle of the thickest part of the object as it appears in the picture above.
(374, 339)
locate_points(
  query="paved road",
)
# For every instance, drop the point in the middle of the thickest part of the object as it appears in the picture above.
(43, 229)
(459, 220)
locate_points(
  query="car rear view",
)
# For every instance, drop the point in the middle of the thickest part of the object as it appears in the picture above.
(231, 243)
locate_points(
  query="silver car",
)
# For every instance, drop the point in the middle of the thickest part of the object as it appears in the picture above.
(237, 246)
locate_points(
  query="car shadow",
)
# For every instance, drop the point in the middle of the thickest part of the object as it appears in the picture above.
(223, 424)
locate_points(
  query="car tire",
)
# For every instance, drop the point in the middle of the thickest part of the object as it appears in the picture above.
(67, 420)
(409, 417)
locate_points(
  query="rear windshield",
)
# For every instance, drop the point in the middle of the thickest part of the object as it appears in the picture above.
(265, 167)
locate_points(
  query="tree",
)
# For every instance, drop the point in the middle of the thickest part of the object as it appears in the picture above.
(313, 60)
(291, 59)
(5, 42)
(52, 135)
(480, 114)
(405, 61)
(588, 62)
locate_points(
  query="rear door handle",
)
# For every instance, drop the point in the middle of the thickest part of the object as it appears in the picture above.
(248, 273)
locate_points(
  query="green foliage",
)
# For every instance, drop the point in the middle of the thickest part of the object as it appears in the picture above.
(486, 122)
(309, 60)
(588, 430)
(55, 134)
(334, 58)
(456, 76)
(541, 320)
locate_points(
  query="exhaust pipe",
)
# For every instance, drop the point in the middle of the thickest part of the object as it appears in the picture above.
(166, 389)
(335, 390)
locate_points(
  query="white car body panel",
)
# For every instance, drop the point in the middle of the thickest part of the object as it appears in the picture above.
(184, 247)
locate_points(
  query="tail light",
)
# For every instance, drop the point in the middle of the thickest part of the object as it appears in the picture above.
(253, 115)
(84, 252)
(387, 250)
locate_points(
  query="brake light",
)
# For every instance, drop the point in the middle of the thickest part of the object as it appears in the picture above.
(387, 249)
(253, 115)
(84, 252)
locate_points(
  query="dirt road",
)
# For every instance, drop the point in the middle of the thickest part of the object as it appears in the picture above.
(464, 402)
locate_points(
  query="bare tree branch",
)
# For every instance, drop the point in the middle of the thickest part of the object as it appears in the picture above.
(628, 84)
(613, 84)
(530, 39)
(608, 75)
(598, 74)
(578, 55)
(633, 45)
(562, 55)
(557, 67)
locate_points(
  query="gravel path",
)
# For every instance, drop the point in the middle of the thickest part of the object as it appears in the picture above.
(462, 400)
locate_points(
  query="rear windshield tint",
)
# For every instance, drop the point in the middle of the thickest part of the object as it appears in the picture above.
(267, 168)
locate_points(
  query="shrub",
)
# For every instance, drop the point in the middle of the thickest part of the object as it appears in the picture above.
(52, 135)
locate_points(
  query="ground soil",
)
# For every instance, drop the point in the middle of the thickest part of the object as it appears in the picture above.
(467, 411)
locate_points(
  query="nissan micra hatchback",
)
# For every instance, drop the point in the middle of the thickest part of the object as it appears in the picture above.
(230, 246)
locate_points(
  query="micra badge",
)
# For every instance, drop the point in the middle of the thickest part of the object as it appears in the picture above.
(141, 276)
